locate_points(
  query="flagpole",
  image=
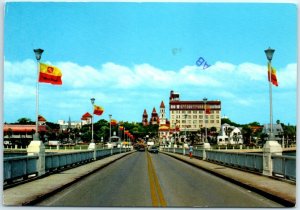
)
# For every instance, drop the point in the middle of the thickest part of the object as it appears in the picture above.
(269, 53)
(38, 55)
(110, 128)
(205, 100)
(271, 103)
(93, 101)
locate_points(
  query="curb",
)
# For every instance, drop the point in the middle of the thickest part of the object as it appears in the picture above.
(271, 196)
(60, 188)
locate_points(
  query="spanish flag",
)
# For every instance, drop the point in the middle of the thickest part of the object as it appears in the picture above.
(273, 75)
(207, 109)
(50, 74)
(121, 128)
(98, 110)
(113, 122)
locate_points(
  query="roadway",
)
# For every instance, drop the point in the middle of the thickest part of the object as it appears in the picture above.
(146, 180)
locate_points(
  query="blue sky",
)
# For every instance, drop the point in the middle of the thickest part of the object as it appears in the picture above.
(129, 56)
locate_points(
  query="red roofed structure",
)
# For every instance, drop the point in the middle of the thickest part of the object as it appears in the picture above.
(86, 116)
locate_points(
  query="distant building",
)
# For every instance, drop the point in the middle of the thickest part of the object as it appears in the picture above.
(86, 119)
(191, 115)
(230, 135)
(145, 118)
(277, 130)
(154, 120)
(162, 114)
(18, 132)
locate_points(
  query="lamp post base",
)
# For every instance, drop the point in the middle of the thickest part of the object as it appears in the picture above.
(206, 145)
(270, 148)
(38, 148)
(92, 146)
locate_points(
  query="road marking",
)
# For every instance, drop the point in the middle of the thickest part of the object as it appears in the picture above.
(155, 189)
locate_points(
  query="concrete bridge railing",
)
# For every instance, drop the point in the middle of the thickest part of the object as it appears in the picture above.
(23, 167)
(282, 166)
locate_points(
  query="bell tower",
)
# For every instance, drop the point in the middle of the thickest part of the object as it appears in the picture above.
(145, 118)
(162, 114)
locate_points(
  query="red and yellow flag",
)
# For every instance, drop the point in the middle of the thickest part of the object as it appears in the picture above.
(121, 128)
(98, 110)
(273, 75)
(207, 109)
(50, 74)
(113, 122)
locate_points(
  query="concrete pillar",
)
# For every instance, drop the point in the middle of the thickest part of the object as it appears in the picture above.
(270, 148)
(206, 146)
(183, 151)
(37, 148)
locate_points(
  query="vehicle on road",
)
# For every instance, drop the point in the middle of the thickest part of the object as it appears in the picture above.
(141, 148)
(153, 149)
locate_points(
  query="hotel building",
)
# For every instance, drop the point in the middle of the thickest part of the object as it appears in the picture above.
(191, 115)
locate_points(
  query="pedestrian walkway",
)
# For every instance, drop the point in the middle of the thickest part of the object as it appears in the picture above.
(34, 191)
(280, 191)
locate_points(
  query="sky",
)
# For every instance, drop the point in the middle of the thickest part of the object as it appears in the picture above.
(129, 56)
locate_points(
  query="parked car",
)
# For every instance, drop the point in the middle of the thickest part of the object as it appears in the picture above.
(153, 149)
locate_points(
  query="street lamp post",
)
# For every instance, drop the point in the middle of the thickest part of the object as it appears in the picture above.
(269, 53)
(38, 54)
(93, 101)
(36, 147)
(206, 145)
(110, 128)
(185, 116)
(205, 100)
(92, 145)
(271, 147)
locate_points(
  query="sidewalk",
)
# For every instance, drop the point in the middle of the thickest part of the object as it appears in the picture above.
(34, 191)
(280, 191)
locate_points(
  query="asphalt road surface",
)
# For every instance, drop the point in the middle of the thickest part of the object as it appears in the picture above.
(153, 180)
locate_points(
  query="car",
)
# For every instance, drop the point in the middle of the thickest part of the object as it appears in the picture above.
(141, 148)
(153, 149)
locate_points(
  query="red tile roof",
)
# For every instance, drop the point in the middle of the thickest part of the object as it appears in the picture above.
(23, 128)
(86, 116)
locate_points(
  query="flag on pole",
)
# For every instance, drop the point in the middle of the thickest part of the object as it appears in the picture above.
(50, 74)
(98, 110)
(113, 122)
(121, 128)
(273, 75)
(207, 109)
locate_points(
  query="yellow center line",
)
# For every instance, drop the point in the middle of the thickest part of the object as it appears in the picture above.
(156, 192)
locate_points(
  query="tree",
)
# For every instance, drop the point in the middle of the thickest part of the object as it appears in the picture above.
(25, 121)
(247, 132)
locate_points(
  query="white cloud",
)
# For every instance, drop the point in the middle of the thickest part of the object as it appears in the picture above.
(252, 71)
(115, 85)
(287, 77)
(18, 91)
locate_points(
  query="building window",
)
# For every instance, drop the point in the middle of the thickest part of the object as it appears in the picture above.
(211, 116)
(195, 112)
(194, 116)
(212, 121)
(200, 121)
(200, 116)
